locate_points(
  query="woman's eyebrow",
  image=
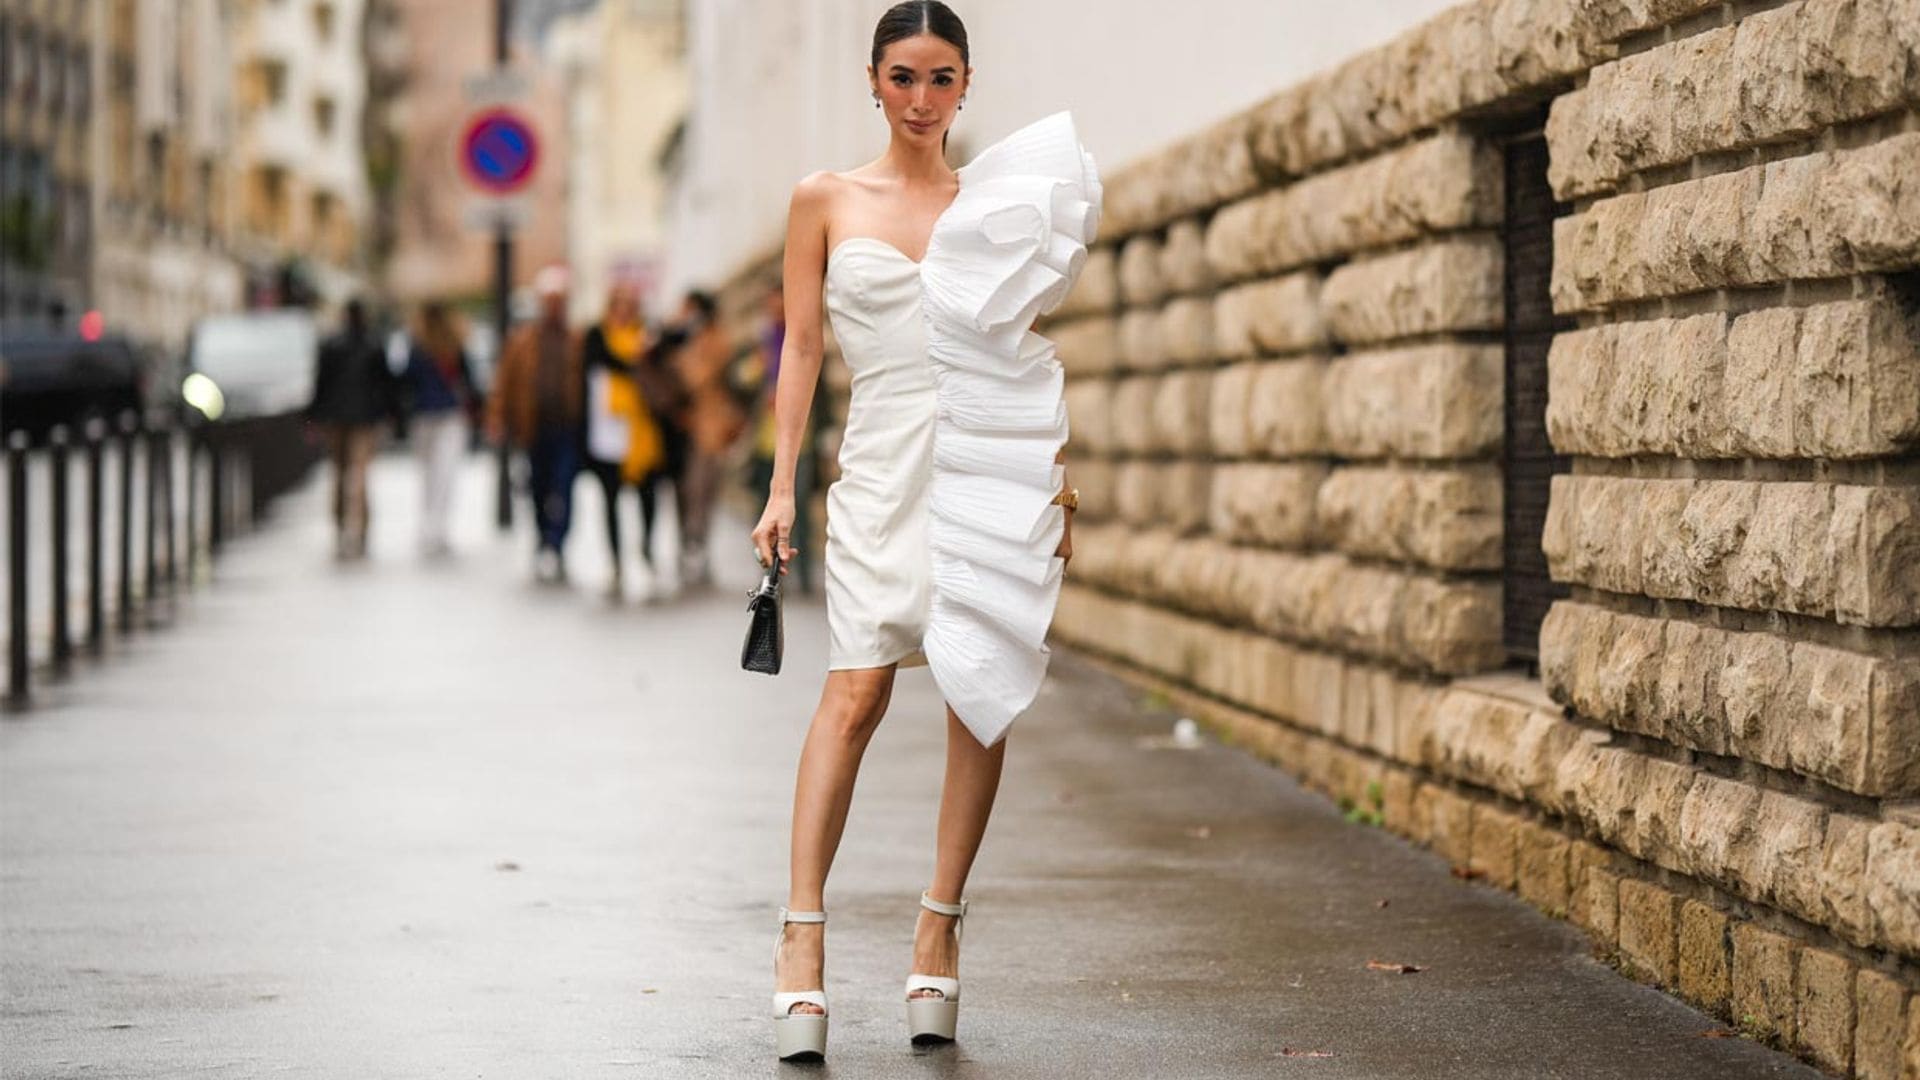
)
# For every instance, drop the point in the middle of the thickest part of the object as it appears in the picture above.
(904, 69)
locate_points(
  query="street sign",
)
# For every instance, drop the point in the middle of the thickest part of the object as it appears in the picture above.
(499, 152)
(490, 89)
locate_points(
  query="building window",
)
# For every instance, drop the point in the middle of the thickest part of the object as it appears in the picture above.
(273, 82)
(1530, 462)
(324, 112)
(79, 82)
(323, 19)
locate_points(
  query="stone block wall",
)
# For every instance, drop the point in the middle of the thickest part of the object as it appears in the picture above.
(1286, 368)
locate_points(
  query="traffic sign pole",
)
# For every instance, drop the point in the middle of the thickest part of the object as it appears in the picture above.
(502, 294)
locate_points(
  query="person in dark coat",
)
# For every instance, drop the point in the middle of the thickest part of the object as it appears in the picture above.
(355, 393)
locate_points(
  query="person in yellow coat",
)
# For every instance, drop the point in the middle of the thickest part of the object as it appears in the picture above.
(624, 448)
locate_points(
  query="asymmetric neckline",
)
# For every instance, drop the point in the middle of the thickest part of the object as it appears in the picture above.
(895, 248)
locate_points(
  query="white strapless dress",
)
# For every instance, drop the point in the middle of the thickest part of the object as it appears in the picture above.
(941, 529)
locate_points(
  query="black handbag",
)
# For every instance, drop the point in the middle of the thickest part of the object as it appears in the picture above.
(766, 631)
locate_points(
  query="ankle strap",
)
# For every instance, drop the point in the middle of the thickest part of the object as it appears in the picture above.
(801, 916)
(957, 911)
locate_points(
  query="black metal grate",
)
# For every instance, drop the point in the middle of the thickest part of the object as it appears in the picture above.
(1530, 462)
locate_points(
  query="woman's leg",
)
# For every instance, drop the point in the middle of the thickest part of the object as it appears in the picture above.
(850, 709)
(649, 504)
(966, 801)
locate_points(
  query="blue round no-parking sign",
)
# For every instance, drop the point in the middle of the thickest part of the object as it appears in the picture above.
(499, 151)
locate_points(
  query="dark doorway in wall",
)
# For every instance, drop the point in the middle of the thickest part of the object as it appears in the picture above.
(1530, 462)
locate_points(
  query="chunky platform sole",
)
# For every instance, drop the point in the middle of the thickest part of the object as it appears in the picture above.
(800, 1038)
(931, 1021)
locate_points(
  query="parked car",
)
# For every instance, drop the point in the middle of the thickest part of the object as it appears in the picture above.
(50, 377)
(249, 365)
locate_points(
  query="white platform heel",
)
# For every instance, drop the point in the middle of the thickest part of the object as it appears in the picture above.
(934, 1019)
(799, 1036)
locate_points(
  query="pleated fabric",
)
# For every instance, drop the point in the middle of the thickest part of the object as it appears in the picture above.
(1007, 251)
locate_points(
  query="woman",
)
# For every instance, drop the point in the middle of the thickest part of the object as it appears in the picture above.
(947, 531)
(443, 399)
(623, 444)
(711, 420)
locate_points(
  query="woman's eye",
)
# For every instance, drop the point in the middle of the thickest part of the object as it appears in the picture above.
(944, 80)
(903, 80)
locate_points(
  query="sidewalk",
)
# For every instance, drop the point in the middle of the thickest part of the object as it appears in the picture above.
(420, 820)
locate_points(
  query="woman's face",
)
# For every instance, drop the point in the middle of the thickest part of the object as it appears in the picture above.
(623, 304)
(920, 81)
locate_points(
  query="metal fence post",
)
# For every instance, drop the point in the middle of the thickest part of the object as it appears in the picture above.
(193, 505)
(148, 593)
(165, 438)
(216, 499)
(96, 547)
(61, 540)
(17, 656)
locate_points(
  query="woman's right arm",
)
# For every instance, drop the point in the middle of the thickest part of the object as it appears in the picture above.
(803, 278)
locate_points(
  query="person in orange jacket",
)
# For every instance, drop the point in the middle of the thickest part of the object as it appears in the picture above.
(537, 405)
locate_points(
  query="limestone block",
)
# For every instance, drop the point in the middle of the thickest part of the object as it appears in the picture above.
(1140, 280)
(1284, 417)
(1893, 885)
(1832, 734)
(1450, 627)
(1823, 992)
(1181, 403)
(1184, 491)
(1780, 863)
(1495, 845)
(1705, 954)
(1130, 411)
(1229, 430)
(1541, 858)
(1090, 414)
(1441, 184)
(1447, 519)
(1433, 401)
(1716, 824)
(1451, 817)
(1276, 315)
(1876, 552)
(1596, 906)
(1856, 380)
(1087, 346)
(1579, 378)
(1237, 235)
(1688, 699)
(1910, 1056)
(1870, 205)
(1843, 879)
(1097, 292)
(1696, 560)
(1262, 503)
(1761, 383)
(1186, 331)
(1757, 677)
(1135, 496)
(1278, 132)
(1880, 1025)
(1593, 534)
(1183, 259)
(1096, 480)
(1784, 563)
(1140, 346)
(1763, 977)
(1538, 41)
(1449, 285)
(1893, 755)
(1649, 931)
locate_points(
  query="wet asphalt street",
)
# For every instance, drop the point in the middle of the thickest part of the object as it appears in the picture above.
(408, 819)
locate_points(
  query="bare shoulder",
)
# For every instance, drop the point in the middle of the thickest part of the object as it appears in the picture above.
(816, 191)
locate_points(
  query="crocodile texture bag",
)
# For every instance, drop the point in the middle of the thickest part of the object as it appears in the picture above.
(766, 632)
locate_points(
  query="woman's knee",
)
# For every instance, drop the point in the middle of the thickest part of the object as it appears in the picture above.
(854, 707)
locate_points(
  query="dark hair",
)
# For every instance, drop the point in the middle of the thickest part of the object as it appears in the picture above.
(915, 17)
(704, 302)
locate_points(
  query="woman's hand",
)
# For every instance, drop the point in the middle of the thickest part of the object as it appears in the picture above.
(776, 525)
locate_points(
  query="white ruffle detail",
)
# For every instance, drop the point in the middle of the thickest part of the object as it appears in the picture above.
(1007, 251)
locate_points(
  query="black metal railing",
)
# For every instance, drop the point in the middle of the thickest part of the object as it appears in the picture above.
(178, 494)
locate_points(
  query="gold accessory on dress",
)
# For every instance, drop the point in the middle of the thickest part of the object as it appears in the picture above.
(1069, 498)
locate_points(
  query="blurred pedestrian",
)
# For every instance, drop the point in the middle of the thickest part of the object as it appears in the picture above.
(624, 448)
(355, 391)
(536, 404)
(443, 403)
(712, 420)
(773, 335)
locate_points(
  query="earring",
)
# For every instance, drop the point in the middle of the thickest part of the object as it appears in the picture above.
(963, 101)
(876, 101)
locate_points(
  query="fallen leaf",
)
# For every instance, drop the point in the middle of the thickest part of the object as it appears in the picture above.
(1288, 1051)
(1380, 903)
(1398, 969)
(1465, 874)
(649, 990)
(507, 866)
(1720, 1033)
(1200, 832)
